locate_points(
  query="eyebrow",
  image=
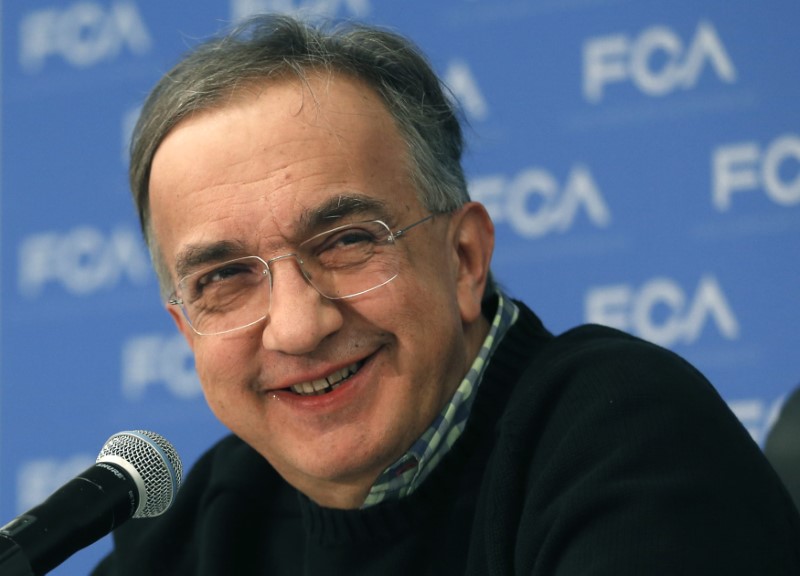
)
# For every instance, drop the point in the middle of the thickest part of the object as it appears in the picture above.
(312, 220)
(338, 208)
(196, 255)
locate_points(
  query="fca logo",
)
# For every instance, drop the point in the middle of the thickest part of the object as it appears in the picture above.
(241, 9)
(747, 166)
(661, 311)
(534, 203)
(82, 34)
(82, 261)
(157, 360)
(656, 61)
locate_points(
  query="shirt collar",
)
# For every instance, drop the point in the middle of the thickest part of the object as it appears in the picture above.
(409, 471)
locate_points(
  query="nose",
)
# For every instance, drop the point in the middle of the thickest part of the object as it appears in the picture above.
(299, 316)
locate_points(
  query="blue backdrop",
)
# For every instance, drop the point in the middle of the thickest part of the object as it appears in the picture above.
(641, 160)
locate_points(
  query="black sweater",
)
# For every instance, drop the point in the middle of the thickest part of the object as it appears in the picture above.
(590, 453)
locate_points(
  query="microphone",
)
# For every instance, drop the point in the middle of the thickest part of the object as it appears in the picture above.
(137, 475)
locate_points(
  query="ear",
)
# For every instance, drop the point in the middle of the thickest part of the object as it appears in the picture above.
(182, 324)
(474, 243)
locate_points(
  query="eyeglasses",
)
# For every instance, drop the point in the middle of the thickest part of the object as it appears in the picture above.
(341, 263)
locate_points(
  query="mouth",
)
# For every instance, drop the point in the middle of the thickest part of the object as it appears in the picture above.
(328, 384)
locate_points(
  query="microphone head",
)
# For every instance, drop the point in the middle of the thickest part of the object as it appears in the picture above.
(152, 463)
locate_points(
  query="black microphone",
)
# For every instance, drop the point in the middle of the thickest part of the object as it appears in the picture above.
(137, 475)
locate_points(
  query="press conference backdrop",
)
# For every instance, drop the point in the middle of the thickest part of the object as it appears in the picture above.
(641, 160)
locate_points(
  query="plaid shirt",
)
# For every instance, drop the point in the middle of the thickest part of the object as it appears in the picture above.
(407, 473)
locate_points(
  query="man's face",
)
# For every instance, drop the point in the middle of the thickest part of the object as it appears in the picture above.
(257, 177)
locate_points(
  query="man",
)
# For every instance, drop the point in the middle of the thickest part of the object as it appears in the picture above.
(393, 411)
(783, 445)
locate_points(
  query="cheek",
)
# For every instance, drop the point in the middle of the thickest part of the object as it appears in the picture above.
(430, 302)
(426, 324)
(221, 372)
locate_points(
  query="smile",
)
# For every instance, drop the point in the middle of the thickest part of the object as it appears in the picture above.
(327, 384)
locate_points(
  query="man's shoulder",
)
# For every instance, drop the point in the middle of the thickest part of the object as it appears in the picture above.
(591, 367)
(598, 339)
(606, 433)
(596, 395)
(581, 337)
(594, 353)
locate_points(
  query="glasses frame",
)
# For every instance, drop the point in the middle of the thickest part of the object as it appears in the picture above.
(175, 300)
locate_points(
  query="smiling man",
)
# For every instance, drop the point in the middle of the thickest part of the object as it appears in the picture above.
(392, 411)
(330, 390)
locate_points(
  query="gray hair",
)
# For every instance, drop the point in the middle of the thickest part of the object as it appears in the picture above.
(271, 46)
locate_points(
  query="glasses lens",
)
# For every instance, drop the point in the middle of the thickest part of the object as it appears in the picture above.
(350, 260)
(226, 296)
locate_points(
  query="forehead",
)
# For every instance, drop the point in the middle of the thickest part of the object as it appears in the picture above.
(258, 169)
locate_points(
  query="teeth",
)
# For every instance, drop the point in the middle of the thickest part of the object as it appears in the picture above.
(325, 385)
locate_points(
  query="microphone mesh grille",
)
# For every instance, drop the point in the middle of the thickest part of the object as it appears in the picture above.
(156, 461)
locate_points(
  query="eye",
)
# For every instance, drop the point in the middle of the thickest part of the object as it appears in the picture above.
(228, 276)
(347, 238)
(349, 243)
(346, 248)
(222, 274)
